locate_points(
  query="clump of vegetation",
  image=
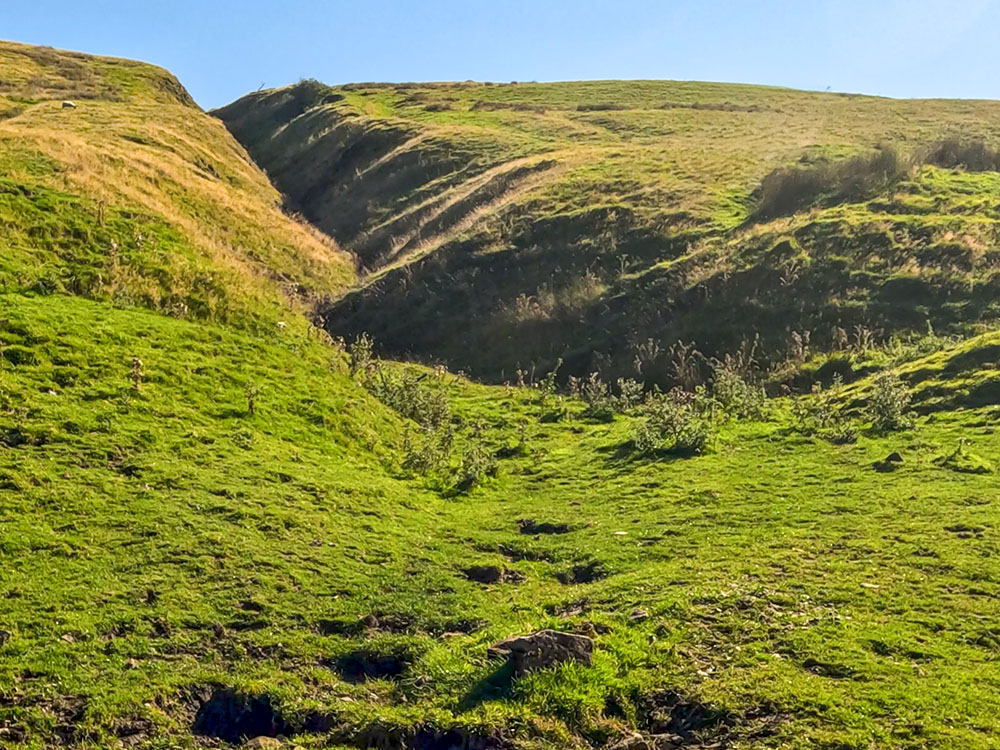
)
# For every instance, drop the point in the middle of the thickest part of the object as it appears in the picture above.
(677, 422)
(430, 455)
(964, 461)
(889, 405)
(819, 415)
(360, 354)
(251, 392)
(597, 395)
(136, 374)
(405, 393)
(737, 395)
(630, 394)
(970, 155)
(479, 461)
(788, 189)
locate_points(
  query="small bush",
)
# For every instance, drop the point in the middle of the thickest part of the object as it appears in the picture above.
(674, 423)
(630, 394)
(787, 190)
(972, 156)
(736, 395)
(817, 415)
(598, 397)
(360, 352)
(478, 462)
(888, 407)
(406, 394)
(429, 455)
(252, 392)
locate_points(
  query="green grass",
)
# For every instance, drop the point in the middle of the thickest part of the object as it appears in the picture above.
(479, 208)
(159, 541)
(199, 229)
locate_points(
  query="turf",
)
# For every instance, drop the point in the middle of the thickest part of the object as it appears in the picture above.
(160, 541)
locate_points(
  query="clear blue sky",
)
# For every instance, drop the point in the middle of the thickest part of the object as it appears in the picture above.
(222, 49)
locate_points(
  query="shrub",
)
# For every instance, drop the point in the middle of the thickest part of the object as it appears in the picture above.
(598, 397)
(405, 394)
(630, 394)
(360, 352)
(137, 374)
(252, 391)
(787, 190)
(888, 406)
(429, 455)
(548, 386)
(817, 415)
(478, 462)
(973, 156)
(674, 423)
(737, 395)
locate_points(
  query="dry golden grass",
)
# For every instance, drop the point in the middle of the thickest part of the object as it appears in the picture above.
(144, 145)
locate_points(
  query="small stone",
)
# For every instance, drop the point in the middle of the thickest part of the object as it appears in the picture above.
(894, 458)
(542, 649)
(638, 615)
(370, 622)
(5, 635)
(263, 743)
(132, 664)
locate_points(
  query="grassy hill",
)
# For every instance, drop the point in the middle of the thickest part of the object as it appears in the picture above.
(139, 197)
(216, 530)
(506, 226)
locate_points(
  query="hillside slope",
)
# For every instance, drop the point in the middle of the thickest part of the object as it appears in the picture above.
(219, 531)
(137, 196)
(506, 226)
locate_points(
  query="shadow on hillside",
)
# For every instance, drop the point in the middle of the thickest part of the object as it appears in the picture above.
(625, 456)
(497, 686)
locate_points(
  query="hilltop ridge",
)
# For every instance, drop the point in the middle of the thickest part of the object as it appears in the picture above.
(169, 210)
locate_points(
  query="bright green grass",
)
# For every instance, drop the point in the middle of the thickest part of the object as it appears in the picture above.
(779, 571)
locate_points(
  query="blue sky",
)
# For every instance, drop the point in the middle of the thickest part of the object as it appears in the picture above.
(222, 49)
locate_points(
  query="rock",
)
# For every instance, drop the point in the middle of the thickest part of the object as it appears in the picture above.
(68, 105)
(263, 743)
(638, 615)
(543, 649)
(894, 458)
(5, 635)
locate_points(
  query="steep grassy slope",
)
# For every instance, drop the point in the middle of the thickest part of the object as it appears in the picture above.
(505, 226)
(137, 185)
